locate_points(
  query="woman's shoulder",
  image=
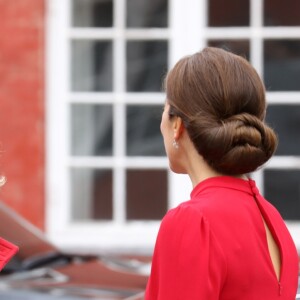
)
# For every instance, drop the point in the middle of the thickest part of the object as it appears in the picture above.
(185, 214)
(204, 207)
(185, 208)
(186, 226)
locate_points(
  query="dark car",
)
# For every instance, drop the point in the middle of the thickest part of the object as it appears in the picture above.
(41, 271)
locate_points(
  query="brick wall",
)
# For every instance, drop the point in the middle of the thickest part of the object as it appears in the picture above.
(22, 103)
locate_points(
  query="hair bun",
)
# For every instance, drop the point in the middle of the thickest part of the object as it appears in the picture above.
(222, 102)
(240, 144)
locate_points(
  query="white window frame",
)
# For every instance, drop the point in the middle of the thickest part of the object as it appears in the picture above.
(187, 33)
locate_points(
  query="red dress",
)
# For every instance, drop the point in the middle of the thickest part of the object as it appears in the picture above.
(214, 247)
(7, 251)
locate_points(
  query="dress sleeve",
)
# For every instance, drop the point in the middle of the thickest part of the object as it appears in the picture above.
(187, 261)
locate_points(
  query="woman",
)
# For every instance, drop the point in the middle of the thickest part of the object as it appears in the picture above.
(7, 249)
(227, 241)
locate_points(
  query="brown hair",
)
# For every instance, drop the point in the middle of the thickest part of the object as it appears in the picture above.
(221, 99)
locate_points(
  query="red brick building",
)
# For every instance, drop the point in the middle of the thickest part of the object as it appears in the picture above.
(22, 107)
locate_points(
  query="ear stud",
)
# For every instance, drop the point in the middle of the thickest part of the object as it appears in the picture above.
(175, 144)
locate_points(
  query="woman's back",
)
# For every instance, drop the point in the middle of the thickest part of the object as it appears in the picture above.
(220, 240)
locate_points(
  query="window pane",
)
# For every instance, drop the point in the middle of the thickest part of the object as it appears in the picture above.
(240, 47)
(143, 131)
(228, 13)
(282, 188)
(146, 65)
(91, 194)
(91, 65)
(92, 13)
(282, 65)
(146, 194)
(92, 130)
(281, 13)
(146, 13)
(285, 119)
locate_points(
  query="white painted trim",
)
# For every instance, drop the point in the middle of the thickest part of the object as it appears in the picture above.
(283, 98)
(256, 13)
(147, 162)
(122, 97)
(294, 228)
(248, 32)
(98, 237)
(181, 188)
(186, 28)
(284, 162)
(56, 111)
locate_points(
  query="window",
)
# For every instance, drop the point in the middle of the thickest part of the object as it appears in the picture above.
(108, 178)
(268, 34)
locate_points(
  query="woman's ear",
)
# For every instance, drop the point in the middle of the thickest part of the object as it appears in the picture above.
(178, 128)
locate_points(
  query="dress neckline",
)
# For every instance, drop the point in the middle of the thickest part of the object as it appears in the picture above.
(230, 182)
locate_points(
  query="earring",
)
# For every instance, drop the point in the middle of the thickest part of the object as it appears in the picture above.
(175, 144)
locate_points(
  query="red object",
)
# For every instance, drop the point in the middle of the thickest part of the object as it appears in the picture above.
(215, 247)
(7, 251)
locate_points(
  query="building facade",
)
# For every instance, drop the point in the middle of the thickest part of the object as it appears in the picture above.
(93, 162)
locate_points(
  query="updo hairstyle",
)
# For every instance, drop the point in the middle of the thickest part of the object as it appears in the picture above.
(221, 100)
